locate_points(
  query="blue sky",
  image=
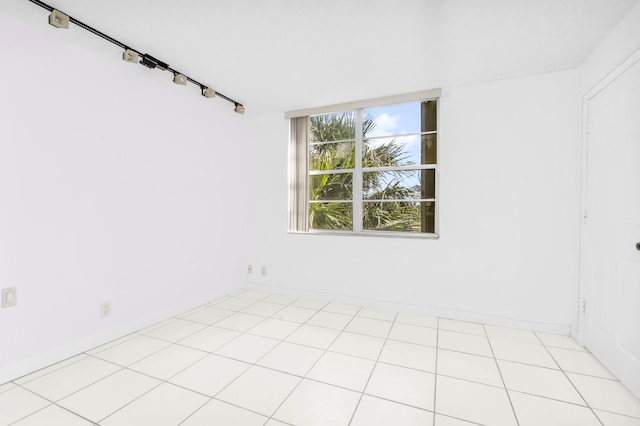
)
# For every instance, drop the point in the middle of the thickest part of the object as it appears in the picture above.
(397, 120)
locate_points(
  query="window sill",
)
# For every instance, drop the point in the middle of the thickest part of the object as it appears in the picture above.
(369, 234)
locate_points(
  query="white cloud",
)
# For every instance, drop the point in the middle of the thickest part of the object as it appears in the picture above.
(385, 125)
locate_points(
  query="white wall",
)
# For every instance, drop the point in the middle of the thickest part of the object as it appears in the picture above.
(115, 184)
(508, 252)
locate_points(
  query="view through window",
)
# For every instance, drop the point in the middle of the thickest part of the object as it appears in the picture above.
(372, 170)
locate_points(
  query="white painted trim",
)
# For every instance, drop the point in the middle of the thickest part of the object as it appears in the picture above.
(330, 172)
(599, 87)
(395, 200)
(436, 228)
(402, 135)
(29, 365)
(578, 332)
(408, 167)
(613, 75)
(368, 103)
(370, 234)
(356, 188)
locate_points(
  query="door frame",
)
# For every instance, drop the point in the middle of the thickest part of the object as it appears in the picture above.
(618, 71)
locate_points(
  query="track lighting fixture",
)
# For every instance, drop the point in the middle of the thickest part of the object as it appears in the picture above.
(208, 92)
(180, 79)
(61, 20)
(130, 56)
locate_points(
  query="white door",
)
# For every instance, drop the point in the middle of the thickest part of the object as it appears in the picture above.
(611, 229)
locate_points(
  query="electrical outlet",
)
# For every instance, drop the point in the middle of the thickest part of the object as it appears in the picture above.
(9, 297)
(250, 269)
(263, 270)
(105, 309)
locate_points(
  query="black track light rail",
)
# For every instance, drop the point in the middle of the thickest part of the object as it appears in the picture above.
(147, 60)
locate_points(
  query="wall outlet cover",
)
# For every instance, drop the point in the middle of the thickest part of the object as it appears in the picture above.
(105, 309)
(9, 297)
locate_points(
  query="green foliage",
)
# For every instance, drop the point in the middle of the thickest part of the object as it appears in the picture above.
(387, 216)
(335, 216)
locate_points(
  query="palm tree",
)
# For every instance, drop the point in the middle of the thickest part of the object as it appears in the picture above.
(336, 151)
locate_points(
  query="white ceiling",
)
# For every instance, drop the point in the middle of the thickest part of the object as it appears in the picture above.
(279, 55)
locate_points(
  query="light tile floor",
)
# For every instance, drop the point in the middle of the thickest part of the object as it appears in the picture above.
(271, 360)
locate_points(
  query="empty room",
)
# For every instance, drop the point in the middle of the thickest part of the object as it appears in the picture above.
(320, 213)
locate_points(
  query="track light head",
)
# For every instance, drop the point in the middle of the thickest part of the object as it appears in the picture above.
(180, 79)
(130, 56)
(208, 92)
(59, 19)
(239, 109)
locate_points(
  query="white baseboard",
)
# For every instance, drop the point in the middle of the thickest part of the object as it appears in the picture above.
(460, 315)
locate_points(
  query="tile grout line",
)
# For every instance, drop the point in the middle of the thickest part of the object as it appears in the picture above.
(132, 400)
(552, 399)
(211, 398)
(214, 324)
(570, 381)
(269, 368)
(122, 368)
(619, 414)
(196, 410)
(326, 350)
(144, 331)
(528, 363)
(96, 355)
(317, 380)
(254, 364)
(501, 377)
(46, 374)
(51, 404)
(104, 378)
(355, 410)
(210, 353)
(548, 368)
(314, 364)
(241, 333)
(162, 381)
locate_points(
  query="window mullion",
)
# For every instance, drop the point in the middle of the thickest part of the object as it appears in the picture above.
(357, 175)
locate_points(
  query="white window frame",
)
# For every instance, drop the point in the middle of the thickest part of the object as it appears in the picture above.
(299, 170)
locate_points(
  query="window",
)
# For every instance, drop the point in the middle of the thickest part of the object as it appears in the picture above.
(370, 168)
